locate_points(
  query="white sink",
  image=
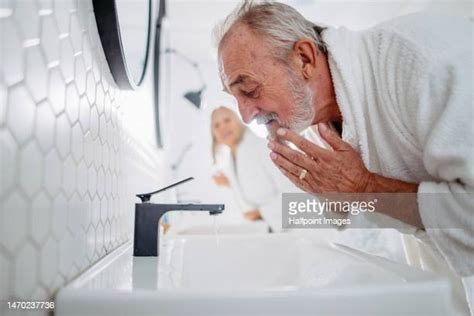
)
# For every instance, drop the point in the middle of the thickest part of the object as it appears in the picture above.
(279, 274)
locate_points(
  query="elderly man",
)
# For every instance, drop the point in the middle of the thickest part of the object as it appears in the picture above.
(392, 104)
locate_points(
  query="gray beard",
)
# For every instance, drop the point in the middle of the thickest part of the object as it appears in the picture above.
(302, 115)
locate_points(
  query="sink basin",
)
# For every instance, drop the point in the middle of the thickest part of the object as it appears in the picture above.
(280, 274)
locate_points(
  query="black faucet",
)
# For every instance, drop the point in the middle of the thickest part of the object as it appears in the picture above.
(147, 217)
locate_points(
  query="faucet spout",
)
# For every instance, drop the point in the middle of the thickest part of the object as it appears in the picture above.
(147, 217)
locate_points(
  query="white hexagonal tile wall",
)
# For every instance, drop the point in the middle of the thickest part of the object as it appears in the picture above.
(80, 75)
(25, 271)
(75, 33)
(77, 145)
(57, 91)
(61, 138)
(88, 149)
(105, 155)
(66, 254)
(90, 243)
(107, 236)
(96, 73)
(44, 126)
(36, 76)
(108, 184)
(52, 171)
(100, 182)
(102, 129)
(72, 103)
(3, 100)
(94, 123)
(104, 209)
(8, 157)
(82, 175)
(92, 180)
(4, 277)
(26, 15)
(62, 12)
(99, 100)
(95, 214)
(87, 210)
(69, 176)
(99, 240)
(12, 54)
(49, 262)
(86, 52)
(59, 218)
(50, 39)
(97, 153)
(40, 218)
(75, 216)
(63, 135)
(31, 168)
(107, 107)
(84, 114)
(66, 59)
(90, 87)
(80, 259)
(20, 113)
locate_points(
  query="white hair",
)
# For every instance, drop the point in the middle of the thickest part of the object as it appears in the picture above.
(280, 25)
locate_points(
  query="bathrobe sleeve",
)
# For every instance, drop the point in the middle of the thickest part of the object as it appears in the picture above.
(446, 204)
(435, 103)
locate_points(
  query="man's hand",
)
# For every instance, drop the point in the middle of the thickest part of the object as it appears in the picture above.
(253, 215)
(221, 180)
(337, 170)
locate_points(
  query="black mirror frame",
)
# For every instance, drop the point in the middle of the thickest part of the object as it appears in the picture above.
(156, 71)
(109, 31)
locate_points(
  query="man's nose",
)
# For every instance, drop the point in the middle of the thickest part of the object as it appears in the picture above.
(248, 112)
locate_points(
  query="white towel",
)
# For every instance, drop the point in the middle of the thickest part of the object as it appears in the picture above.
(405, 92)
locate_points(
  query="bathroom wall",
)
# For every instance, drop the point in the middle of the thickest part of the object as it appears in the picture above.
(70, 159)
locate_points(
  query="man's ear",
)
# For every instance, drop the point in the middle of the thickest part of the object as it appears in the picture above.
(305, 53)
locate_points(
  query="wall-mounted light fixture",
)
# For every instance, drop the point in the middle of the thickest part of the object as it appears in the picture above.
(193, 96)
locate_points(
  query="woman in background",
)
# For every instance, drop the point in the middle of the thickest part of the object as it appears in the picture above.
(255, 181)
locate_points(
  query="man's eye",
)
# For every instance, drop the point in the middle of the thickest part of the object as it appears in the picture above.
(251, 94)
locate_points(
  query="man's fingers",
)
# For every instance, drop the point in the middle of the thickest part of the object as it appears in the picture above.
(331, 137)
(272, 127)
(281, 161)
(302, 143)
(292, 172)
(294, 156)
(296, 181)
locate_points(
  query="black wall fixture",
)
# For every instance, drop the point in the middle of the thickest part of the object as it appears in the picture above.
(116, 25)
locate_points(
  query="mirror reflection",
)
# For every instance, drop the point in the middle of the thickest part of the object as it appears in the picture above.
(134, 18)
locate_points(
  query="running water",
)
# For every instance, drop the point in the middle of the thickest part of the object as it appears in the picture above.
(216, 230)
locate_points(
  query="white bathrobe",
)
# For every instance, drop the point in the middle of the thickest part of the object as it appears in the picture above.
(256, 181)
(405, 90)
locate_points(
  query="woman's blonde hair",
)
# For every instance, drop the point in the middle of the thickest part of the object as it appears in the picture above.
(215, 144)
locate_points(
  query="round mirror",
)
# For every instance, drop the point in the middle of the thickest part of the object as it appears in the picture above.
(124, 29)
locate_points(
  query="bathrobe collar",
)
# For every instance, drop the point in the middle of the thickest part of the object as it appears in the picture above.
(345, 51)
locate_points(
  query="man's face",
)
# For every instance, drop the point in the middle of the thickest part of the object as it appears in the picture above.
(265, 89)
